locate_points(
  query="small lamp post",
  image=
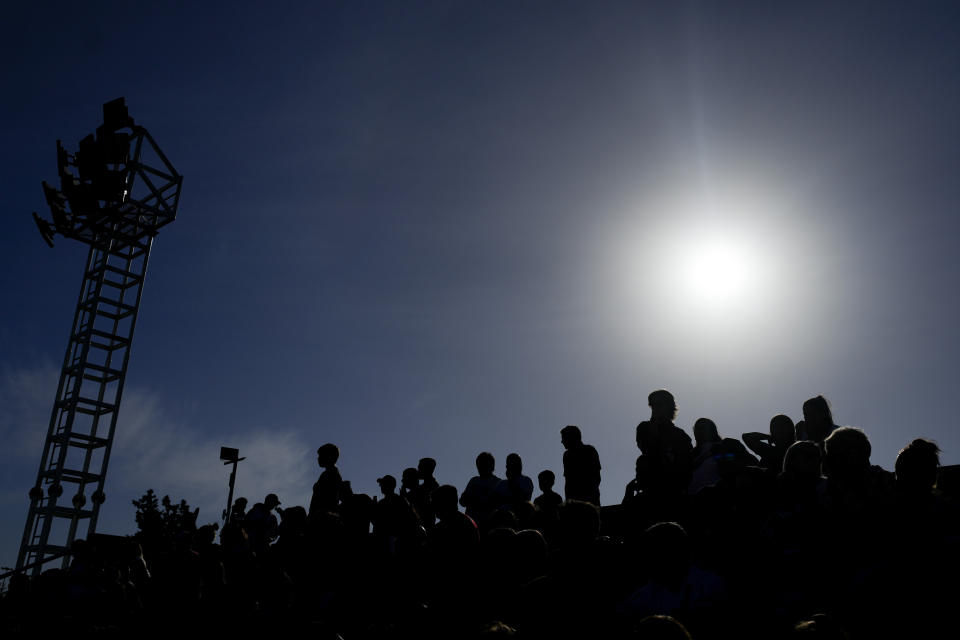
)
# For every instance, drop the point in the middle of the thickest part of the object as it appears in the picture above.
(230, 456)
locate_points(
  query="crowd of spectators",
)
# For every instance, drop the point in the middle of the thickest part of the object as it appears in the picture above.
(779, 534)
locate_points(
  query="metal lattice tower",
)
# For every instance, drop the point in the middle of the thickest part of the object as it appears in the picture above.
(124, 190)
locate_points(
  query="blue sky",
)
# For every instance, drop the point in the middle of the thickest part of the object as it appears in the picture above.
(440, 228)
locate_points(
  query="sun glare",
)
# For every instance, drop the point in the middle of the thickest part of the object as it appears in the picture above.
(717, 270)
(691, 279)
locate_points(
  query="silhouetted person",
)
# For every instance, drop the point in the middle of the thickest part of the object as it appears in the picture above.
(705, 435)
(261, 524)
(581, 467)
(848, 469)
(817, 423)
(705, 469)
(675, 585)
(421, 497)
(857, 503)
(548, 500)
(326, 491)
(633, 492)
(773, 446)
(917, 467)
(409, 481)
(425, 469)
(668, 447)
(239, 509)
(452, 545)
(925, 528)
(516, 488)
(801, 466)
(478, 497)
(395, 524)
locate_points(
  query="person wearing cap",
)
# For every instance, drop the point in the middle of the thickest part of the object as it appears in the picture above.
(395, 524)
(261, 523)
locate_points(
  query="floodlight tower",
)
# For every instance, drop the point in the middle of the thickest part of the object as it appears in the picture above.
(123, 191)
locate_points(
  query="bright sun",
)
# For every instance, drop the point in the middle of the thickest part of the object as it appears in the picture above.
(710, 276)
(717, 270)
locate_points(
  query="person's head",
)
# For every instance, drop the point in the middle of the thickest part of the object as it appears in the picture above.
(570, 436)
(663, 408)
(271, 501)
(731, 457)
(388, 484)
(486, 464)
(545, 480)
(514, 465)
(426, 467)
(327, 455)
(917, 466)
(579, 522)
(444, 500)
(847, 453)
(668, 552)
(240, 504)
(531, 552)
(207, 534)
(818, 418)
(801, 462)
(705, 431)
(782, 431)
(410, 478)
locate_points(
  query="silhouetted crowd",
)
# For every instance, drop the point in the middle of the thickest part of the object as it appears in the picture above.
(788, 533)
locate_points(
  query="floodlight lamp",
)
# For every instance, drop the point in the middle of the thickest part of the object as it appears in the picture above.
(82, 199)
(88, 158)
(55, 199)
(115, 115)
(63, 161)
(46, 230)
(229, 454)
(114, 146)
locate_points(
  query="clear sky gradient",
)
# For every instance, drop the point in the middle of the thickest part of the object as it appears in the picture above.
(432, 229)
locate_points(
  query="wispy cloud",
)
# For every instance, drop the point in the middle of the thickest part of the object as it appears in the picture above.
(151, 450)
(26, 398)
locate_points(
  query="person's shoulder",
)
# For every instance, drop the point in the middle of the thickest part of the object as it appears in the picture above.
(679, 434)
